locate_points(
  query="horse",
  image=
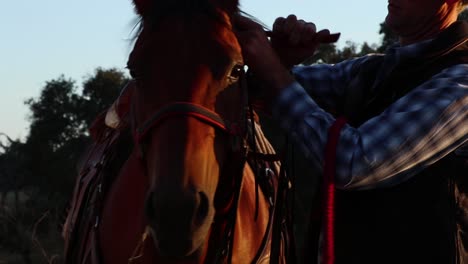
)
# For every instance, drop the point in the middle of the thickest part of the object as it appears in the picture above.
(179, 171)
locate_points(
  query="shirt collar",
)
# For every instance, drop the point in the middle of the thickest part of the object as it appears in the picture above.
(408, 51)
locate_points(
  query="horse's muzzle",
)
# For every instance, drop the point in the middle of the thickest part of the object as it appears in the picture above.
(178, 219)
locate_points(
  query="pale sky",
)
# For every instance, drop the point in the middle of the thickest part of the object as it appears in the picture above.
(40, 40)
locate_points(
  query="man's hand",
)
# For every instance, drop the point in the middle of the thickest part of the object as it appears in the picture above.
(292, 41)
(296, 40)
(259, 55)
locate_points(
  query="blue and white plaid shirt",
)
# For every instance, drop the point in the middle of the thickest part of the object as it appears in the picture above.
(417, 130)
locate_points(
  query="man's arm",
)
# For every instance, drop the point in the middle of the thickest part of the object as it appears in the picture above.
(411, 134)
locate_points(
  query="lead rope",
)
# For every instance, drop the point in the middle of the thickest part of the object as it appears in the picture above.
(329, 169)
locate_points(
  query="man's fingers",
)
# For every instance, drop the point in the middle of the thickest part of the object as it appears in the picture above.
(290, 23)
(278, 25)
(309, 31)
(297, 32)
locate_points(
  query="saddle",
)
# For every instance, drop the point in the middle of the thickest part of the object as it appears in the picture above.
(112, 145)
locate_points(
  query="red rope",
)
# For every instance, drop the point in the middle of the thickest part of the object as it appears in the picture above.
(329, 185)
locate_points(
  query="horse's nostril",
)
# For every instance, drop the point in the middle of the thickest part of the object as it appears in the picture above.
(175, 247)
(203, 207)
(149, 206)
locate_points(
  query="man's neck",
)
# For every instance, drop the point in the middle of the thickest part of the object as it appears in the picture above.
(404, 41)
(431, 30)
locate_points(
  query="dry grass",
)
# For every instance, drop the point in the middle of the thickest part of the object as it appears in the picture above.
(30, 234)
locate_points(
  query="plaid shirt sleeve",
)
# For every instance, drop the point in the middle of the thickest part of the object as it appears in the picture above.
(414, 132)
(326, 82)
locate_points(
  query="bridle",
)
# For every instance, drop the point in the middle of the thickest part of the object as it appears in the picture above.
(178, 109)
(237, 133)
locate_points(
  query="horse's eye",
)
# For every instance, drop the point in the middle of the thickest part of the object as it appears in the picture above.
(236, 72)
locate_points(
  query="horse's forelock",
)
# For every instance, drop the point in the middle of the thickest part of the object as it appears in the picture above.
(135, 57)
(154, 9)
(229, 6)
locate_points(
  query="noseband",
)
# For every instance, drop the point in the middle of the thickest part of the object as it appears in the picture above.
(178, 109)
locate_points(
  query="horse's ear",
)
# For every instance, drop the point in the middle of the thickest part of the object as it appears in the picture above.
(143, 7)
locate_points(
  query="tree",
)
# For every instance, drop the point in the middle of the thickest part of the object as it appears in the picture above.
(367, 49)
(12, 169)
(389, 38)
(328, 53)
(60, 118)
(55, 124)
(54, 115)
(325, 53)
(100, 91)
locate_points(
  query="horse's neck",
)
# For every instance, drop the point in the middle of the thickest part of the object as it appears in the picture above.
(246, 224)
(250, 232)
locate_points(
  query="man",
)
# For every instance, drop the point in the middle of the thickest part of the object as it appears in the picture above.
(401, 166)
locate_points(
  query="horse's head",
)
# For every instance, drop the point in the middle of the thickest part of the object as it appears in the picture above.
(186, 52)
